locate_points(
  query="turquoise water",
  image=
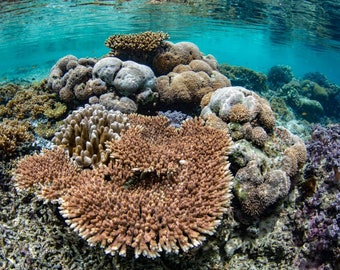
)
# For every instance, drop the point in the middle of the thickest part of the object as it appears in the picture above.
(257, 34)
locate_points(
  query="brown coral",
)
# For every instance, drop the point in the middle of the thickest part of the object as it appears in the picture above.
(164, 190)
(186, 86)
(135, 46)
(239, 113)
(13, 134)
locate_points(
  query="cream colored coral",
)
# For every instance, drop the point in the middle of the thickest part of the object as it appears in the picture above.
(85, 132)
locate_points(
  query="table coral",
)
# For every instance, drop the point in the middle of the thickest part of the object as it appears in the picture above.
(164, 190)
(85, 132)
(137, 47)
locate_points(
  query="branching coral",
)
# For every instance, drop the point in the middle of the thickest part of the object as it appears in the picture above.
(32, 102)
(85, 132)
(164, 190)
(13, 134)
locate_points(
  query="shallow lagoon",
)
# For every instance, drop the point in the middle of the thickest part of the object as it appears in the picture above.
(256, 34)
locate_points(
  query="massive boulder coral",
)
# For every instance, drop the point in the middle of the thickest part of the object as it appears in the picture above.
(265, 159)
(180, 53)
(85, 131)
(187, 84)
(164, 190)
(77, 83)
(68, 78)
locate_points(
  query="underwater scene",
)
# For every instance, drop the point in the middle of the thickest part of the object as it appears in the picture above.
(170, 134)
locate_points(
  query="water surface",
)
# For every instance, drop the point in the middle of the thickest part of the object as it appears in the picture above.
(257, 34)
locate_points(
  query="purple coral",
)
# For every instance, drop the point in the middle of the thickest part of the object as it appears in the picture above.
(324, 151)
(318, 219)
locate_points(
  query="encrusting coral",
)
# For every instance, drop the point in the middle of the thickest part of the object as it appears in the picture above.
(164, 190)
(85, 132)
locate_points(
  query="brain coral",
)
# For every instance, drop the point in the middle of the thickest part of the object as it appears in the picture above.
(85, 132)
(164, 190)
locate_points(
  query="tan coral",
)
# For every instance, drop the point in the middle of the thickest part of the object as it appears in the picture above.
(13, 134)
(186, 87)
(294, 158)
(266, 115)
(239, 113)
(259, 136)
(165, 189)
(49, 174)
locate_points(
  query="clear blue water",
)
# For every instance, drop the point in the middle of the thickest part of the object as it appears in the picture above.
(257, 34)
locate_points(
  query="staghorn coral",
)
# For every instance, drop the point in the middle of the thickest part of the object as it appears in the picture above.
(85, 132)
(137, 47)
(164, 190)
(13, 135)
(52, 176)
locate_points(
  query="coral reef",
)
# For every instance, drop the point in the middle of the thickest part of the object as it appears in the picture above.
(133, 77)
(138, 47)
(317, 219)
(185, 87)
(165, 189)
(324, 152)
(68, 78)
(31, 101)
(176, 118)
(85, 131)
(245, 77)
(77, 83)
(240, 105)
(14, 135)
(278, 76)
(174, 54)
(264, 159)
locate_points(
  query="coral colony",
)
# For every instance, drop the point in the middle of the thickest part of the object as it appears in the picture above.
(159, 160)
